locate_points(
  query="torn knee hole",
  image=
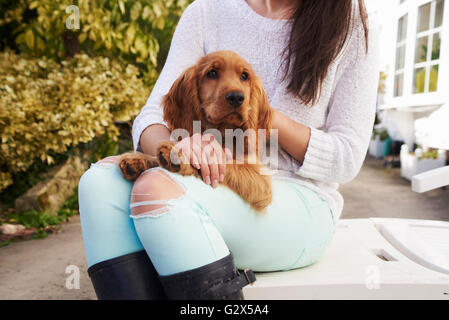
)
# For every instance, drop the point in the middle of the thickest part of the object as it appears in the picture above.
(151, 192)
(150, 210)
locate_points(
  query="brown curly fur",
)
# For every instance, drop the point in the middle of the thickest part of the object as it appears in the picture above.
(194, 96)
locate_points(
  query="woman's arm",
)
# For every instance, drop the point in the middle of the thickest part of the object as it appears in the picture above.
(336, 153)
(293, 137)
(151, 136)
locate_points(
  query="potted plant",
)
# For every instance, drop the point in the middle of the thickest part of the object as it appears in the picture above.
(379, 144)
(421, 160)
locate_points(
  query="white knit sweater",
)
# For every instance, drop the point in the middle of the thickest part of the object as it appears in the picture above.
(341, 121)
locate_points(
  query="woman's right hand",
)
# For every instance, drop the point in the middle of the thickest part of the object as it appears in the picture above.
(205, 153)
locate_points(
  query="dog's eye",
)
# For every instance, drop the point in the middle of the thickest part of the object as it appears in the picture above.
(244, 76)
(212, 74)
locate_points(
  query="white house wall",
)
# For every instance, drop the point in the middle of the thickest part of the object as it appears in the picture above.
(406, 109)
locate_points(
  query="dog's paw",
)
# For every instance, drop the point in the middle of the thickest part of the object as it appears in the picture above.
(133, 164)
(173, 160)
(166, 158)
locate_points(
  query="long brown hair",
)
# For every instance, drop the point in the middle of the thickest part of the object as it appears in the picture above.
(319, 31)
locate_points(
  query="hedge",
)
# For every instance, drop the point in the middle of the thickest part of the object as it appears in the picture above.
(47, 107)
(130, 31)
(51, 103)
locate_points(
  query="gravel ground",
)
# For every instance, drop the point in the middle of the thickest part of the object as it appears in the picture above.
(36, 269)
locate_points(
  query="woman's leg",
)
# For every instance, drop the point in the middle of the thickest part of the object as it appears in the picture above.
(187, 249)
(108, 232)
(294, 231)
(185, 224)
(118, 265)
(175, 230)
(191, 224)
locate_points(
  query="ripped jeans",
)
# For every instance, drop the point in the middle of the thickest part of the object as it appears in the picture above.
(183, 223)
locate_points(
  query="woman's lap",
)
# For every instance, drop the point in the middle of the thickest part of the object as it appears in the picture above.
(293, 231)
(203, 223)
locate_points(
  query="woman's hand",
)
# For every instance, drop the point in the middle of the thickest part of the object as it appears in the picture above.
(205, 153)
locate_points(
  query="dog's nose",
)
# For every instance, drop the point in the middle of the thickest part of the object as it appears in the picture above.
(235, 98)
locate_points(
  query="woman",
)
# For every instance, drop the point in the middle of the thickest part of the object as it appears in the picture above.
(318, 63)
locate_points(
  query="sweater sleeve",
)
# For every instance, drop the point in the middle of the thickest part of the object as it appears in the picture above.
(336, 153)
(186, 48)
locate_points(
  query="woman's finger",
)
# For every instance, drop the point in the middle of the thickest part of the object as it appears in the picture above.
(228, 155)
(221, 160)
(194, 162)
(205, 172)
(213, 164)
(196, 156)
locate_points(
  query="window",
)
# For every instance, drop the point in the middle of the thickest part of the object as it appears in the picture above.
(401, 44)
(427, 47)
(417, 50)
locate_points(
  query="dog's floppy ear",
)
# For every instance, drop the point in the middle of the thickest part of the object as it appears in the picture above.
(181, 103)
(260, 107)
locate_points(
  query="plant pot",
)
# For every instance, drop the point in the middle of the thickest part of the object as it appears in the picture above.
(377, 148)
(411, 165)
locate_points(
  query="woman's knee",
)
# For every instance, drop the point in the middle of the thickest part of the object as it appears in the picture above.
(102, 186)
(151, 191)
(92, 178)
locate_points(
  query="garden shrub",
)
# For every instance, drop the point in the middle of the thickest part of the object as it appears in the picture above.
(47, 108)
(130, 31)
(52, 106)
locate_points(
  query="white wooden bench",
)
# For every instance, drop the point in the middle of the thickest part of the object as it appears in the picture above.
(373, 259)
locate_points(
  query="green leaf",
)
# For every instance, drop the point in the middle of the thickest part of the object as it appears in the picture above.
(82, 37)
(40, 43)
(157, 10)
(29, 38)
(33, 5)
(146, 12)
(122, 7)
(135, 11)
(130, 34)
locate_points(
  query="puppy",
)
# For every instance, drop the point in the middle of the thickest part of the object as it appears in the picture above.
(223, 92)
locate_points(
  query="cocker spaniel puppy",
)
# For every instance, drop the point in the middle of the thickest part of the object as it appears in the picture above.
(222, 92)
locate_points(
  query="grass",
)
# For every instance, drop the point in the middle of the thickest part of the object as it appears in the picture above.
(43, 222)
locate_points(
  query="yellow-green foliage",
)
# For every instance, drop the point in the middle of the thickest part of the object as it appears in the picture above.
(128, 30)
(47, 107)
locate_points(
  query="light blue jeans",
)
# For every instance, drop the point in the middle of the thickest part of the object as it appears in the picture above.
(203, 224)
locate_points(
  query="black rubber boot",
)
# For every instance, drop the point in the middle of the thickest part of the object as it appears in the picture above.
(128, 277)
(219, 280)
